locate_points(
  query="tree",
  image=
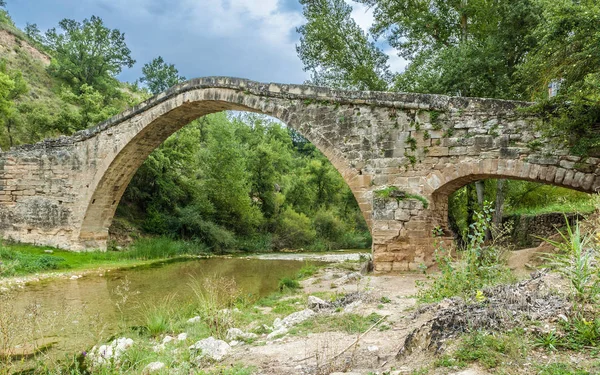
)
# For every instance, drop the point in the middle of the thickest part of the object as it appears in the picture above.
(336, 50)
(159, 76)
(568, 53)
(12, 86)
(3, 3)
(88, 53)
(33, 32)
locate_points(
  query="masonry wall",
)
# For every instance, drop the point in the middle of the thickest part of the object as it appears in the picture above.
(64, 192)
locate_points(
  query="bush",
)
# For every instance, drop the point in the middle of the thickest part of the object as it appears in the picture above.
(288, 283)
(293, 231)
(577, 262)
(478, 267)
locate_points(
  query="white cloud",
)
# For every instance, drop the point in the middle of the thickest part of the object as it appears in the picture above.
(397, 64)
(362, 15)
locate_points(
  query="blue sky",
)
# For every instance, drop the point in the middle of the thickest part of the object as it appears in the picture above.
(252, 39)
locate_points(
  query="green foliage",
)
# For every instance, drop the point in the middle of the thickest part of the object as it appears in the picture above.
(394, 191)
(159, 76)
(490, 350)
(577, 262)
(561, 369)
(158, 316)
(479, 266)
(15, 262)
(581, 333)
(349, 323)
(336, 50)
(288, 284)
(88, 53)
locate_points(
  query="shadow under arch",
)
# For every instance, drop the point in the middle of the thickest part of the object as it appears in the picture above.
(136, 137)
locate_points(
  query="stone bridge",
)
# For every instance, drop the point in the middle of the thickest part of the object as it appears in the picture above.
(401, 154)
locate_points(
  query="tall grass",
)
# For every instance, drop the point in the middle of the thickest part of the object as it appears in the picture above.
(215, 300)
(577, 261)
(479, 265)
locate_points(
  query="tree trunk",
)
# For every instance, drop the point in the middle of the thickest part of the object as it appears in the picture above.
(499, 212)
(470, 208)
(480, 187)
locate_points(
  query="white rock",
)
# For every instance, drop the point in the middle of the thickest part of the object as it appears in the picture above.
(158, 348)
(234, 343)
(278, 332)
(372, 348)
(195, 319)
(236, 334)
(210, 348)
(48, 251)
(352, 306)
(182, 336)
(153, 367)
(315, 303)
(74, 277)
(167, 340)
(109, 353)
(353, 276)
(293, 319)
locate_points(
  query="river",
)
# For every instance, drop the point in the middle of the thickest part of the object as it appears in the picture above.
(75, 314)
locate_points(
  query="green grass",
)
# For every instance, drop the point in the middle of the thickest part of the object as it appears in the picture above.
(23, 259)
(490, 350)
(583, 206)
(561, 369)
(350, 323)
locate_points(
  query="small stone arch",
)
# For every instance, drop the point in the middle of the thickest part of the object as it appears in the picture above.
(439, 185)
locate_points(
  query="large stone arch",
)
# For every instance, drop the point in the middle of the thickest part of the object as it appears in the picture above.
(63, 192)
(140, 135)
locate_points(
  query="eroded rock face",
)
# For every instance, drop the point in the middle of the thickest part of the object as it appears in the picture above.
(64, 192)
(503, 307)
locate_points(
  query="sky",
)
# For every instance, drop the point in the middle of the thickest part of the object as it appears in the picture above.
(254, 39)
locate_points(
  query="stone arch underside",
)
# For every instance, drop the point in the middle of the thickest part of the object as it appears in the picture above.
(63, 192)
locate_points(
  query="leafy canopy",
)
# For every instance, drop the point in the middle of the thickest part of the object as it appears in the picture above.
(159, 76)
(88, 52)
(336, 50)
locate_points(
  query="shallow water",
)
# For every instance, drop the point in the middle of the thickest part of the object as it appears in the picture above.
(79, 313)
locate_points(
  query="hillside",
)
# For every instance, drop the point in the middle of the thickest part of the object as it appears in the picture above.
(48, 107)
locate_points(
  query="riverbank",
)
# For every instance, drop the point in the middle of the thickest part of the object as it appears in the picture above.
(331, 319)
(24, 263)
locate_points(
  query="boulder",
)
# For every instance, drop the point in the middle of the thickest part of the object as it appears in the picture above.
(238, 334)
(278, 332)
(182, 336)
(293, 319)
(352, 276)
(315, 303)
(209, 348)
(105, 354)
(195, 319)
(153, 367)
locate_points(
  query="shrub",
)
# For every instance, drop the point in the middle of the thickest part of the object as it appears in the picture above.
(287, 283)
(478, 267)
(577, 262)
(293, 230)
